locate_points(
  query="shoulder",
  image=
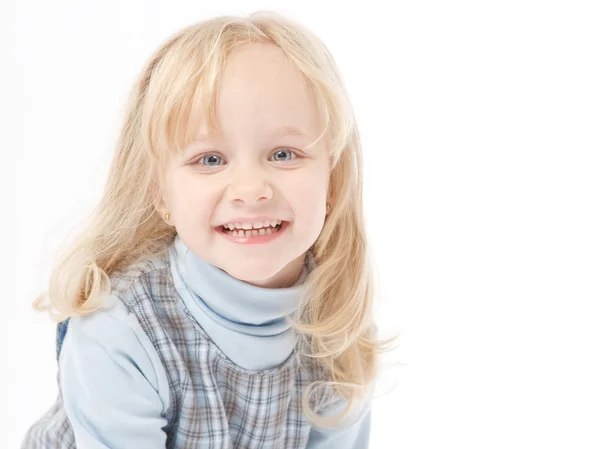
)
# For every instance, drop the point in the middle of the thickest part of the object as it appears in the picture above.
(112, 327)
(115, 323)
(110, 340)
(112, 385)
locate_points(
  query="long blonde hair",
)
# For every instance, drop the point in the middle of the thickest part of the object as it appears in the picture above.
(178, 85)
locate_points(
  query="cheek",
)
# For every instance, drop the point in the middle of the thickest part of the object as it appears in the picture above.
(309, 209)
(192, 201)
(308, 198)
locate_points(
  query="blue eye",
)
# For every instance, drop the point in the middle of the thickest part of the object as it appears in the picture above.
(209, 156)
(213, 158)
(284, 151)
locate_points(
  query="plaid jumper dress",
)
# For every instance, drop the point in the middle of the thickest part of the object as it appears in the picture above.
(214, 403)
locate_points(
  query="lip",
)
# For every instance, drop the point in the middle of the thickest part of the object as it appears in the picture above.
(242, 220)
(254, 240)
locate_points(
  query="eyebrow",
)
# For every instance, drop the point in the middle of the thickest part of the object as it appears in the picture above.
(281, 131)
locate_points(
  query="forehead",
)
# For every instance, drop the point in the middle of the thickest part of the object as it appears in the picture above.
(261, 92)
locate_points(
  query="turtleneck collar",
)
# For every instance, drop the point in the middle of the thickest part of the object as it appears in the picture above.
(237, 315)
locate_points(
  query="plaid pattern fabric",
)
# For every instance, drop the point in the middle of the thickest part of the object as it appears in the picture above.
(52, 431)
(213, 402)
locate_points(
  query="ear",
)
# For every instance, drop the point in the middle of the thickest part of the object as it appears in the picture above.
(157, 200)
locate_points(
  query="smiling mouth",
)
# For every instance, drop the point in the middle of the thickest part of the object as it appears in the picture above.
(267, 230)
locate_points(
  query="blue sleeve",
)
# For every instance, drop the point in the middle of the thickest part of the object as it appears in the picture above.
(354, 436)
(110, 386)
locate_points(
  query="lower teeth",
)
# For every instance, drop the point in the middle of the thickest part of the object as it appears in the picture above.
(253, 232)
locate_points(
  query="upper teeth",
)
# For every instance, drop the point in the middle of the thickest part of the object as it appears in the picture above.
(256, 225)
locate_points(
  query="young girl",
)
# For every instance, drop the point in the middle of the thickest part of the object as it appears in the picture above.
(222, 295)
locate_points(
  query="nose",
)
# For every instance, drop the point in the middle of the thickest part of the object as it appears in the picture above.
(249, 186)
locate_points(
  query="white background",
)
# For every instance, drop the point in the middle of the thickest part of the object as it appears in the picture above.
(480, 124)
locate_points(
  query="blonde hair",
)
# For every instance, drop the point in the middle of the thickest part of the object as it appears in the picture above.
(178, 85)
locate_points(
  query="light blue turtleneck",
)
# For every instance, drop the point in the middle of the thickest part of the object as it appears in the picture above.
(247, 323)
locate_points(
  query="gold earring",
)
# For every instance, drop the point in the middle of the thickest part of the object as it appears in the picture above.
(167, 216)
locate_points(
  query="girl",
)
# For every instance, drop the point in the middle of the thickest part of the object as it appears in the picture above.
(222, 295)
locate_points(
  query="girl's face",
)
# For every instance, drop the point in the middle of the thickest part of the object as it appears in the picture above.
(267, 114)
